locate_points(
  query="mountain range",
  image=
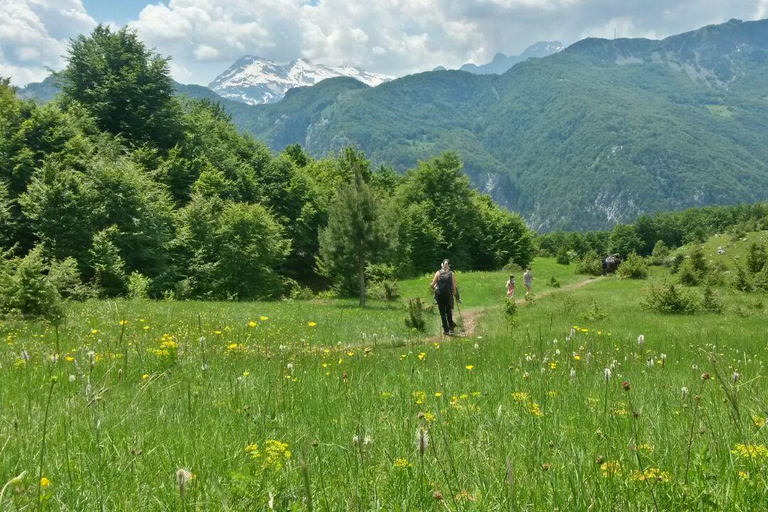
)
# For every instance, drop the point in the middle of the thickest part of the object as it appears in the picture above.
(255, 81)
(595, 134)
(501, 63)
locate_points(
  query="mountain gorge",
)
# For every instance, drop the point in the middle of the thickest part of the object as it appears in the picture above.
(596, 134)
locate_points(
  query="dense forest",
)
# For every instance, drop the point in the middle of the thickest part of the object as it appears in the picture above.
(120, 187)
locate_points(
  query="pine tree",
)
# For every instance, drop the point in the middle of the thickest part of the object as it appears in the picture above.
(358, 233)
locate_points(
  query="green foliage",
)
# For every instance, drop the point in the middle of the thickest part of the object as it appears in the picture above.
(756, 258)
(138, 286)
(109, 276)
(414, 319)
(633, 267)
(510, 311)
(625, 240)
(553, 282)
(26, 290)
(594, 313)
(590, 264)
(358, 233)
(688, 275)
(123, 85)
(65, 277)
(562, 256)
(669, 299)
(660, 253)
(742, 280)
(711, 302)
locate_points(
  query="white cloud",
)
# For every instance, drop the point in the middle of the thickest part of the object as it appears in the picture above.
(34, 36)
(387, 36)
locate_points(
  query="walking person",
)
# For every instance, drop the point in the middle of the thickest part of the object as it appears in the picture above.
(511, 287)
(444, 286)
(528, 282)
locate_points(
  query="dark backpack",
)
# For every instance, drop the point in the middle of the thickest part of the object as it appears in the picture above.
(444, 284)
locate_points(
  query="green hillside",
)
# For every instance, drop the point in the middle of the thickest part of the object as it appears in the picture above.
(599, 133)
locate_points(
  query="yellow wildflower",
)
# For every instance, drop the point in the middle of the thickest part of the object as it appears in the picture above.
(311, 324)
(402, 463)
(469, 367)
(652, 474)
(45, 483)
(611, 468)
(750, 451)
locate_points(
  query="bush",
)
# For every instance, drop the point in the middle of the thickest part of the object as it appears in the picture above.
(553, 282)
(26, 289)
(760, 280)
(711, 301)
(742, 280)
(660, 253)
(138, 286)
(510, 311)
(634, 267)
(590, 264)
(698, 260)
(756, 258)
(384, 290)
(716, 274)
(415, 318)
(687, 274)
(108, 267)
(668, 299)
(511, 267)
(677, 261)
(65, 276)
(594, 313)
(562, 256)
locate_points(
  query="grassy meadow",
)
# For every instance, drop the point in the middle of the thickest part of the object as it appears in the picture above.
(140, 405)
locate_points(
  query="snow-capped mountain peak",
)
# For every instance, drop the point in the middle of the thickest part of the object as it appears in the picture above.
(255, 81)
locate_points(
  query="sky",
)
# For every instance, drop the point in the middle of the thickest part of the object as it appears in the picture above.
(394, 37)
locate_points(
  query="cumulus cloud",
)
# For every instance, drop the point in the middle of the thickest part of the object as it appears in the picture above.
(386, 36)
(34, 36)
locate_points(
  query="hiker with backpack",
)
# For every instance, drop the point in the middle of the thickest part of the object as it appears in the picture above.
(444, 286)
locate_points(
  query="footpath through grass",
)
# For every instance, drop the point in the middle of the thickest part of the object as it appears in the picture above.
(274, 405)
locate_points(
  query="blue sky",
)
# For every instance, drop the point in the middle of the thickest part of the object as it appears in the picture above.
(393, 37)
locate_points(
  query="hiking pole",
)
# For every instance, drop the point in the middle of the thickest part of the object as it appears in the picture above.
(458, 307)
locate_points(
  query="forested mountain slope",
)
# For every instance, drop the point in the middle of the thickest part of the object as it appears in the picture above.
(598, 133)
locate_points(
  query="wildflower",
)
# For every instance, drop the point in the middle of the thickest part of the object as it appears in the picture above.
(520, 396)
(705, 376)
(640, 339)
(355, 440)
(534, 409)
(469, 367)
(611, 468)
(45, 483)
(402, 463)
(263, 318)
(607, 373)
(645, 447)
(72, 379)
(625, 385)
(553, 365)
(184, 477)
(573, 373)
(18, 479)
(144, 377)
(420, 396)
(663, 359)
(736, 376)
(311, 324)
(758, 421)
(290, 367)
(651, 474)
(438, 394)
(684, 392)
(367, 441)
(756, 452)
(69, 359)
(743, 475)
(123, 323)
(422, 356)
(252, 324)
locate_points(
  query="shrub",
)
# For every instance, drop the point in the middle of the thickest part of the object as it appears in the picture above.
(510, 311)
(384, 290)
(108, 267)
(512, 267)
(669, 299)
(698, 260)
(634, 267)
(594, 313)
(415, 318)
(742, 281)
(562, 256)
(590, 264)
(553, 282)
(760, 280)
(26, 289)
(660, 253)
(687, 274)
(716, 274)
(138, 286)
(65, 276)
(677, 261)
(711, 301)
(756, 258)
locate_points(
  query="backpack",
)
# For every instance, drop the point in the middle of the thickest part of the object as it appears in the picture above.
(444, 284)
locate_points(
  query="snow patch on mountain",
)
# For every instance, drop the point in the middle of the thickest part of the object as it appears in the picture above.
(256, 81)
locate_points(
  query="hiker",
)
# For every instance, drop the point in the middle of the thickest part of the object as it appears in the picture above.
(444, 286)
(511, 287)
(528, 281)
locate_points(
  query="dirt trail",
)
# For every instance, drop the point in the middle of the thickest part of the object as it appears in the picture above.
(471, 317)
